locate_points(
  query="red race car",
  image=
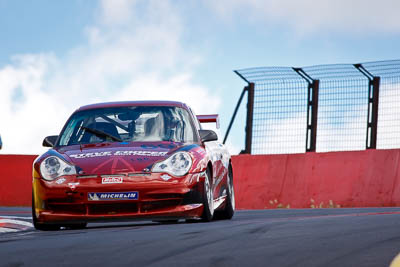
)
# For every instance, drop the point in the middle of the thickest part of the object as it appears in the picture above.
(132, 160)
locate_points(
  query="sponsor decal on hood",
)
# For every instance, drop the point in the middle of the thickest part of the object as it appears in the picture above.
(60, 181)
(115, 159)
(73, 185)
(112, 180)
(119, 153)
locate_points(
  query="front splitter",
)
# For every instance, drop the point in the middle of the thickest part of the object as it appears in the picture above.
(190, 211)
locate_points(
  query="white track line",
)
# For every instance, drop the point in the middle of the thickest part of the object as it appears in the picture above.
(15, 217)
(8, 230)
(18, 222)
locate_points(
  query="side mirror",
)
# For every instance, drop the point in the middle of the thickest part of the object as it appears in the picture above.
(1, 143)
(208, 135)
(50, 141)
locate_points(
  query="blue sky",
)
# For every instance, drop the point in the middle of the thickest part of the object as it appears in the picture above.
(58, 55)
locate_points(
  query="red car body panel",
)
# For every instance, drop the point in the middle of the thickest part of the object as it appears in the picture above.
(68, 201)
(126, 168)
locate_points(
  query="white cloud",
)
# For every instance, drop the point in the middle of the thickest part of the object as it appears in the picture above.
(28, 113)
(116, 11)
(178, 87)
(389, 114)
(127, 56)
(310, 16)
(281, 136)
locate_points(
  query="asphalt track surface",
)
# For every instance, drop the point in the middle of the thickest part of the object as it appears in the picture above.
(302, 237)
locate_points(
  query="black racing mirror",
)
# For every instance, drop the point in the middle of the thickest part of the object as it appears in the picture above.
(1, 143)
(208, 135)
(50, 141)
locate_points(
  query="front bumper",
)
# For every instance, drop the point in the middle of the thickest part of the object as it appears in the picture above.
(66, 199)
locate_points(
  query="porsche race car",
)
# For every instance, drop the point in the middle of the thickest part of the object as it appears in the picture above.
(147, 160)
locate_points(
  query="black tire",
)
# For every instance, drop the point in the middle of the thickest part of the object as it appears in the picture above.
(192, 220)
(76, 226)
(208, 199)
(41, 226)
(166, 221)
(229, 210)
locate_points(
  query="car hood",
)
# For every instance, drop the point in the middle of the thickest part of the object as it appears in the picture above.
(110, 158)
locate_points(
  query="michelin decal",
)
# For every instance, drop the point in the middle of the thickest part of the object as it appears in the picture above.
(113, 196)
(119, 153)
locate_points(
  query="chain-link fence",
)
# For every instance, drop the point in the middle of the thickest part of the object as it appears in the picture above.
(324, 108)
(280, 110)
(388, 135)
(342, 107)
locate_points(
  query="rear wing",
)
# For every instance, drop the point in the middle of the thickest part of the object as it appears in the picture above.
(209, 118)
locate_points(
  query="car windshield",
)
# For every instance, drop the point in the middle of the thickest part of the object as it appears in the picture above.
(128, 124)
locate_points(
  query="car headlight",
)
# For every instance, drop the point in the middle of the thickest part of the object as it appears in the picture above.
(53, 167)
(177, 165)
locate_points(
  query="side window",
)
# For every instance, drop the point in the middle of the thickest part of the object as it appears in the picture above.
(71, 135)
(196, 121)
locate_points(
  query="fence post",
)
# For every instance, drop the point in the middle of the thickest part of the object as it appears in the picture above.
(374, 113)
(234, 114)
(373, 100)
(249, 118)
(312, 109)
(312, 126)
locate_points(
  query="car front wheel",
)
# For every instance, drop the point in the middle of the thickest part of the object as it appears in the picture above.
(41, 226)
(208, 199)
(229, 210)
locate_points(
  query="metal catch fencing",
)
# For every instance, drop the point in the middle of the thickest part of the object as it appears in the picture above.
(323, 108)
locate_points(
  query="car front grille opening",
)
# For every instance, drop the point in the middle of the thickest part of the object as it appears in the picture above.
(160, 205)
(78, 209)
(111, 209)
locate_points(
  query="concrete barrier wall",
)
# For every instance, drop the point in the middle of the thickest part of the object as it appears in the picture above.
(16, 180)
(317, 180)
(337, 179)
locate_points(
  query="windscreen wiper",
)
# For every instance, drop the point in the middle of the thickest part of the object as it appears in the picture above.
(101, 133)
